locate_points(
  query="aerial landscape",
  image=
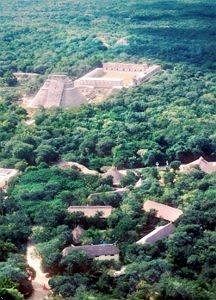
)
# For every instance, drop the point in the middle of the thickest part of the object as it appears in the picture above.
(107, 150)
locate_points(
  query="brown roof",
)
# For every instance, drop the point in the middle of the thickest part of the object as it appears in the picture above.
(93, 251)
(157, 234)
(91, 211)
(163, 211)
(115, 174)
(204, 165)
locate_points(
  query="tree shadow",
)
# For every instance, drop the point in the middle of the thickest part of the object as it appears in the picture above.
(170, 31)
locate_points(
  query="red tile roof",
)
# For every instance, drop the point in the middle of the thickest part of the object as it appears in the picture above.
(163, 211)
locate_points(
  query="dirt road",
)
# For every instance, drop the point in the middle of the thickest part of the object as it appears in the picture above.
(40, 282)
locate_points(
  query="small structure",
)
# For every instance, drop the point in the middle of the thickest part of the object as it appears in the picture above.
(157, 234)
(92, 211)
(25, 75)
(122, 42)
(57, 91)
(115, 174)
(163, 211)
(115, 273)
(138, 184)
(201, 163)
(29, 122)
(100, 252)
(6, 175)
(77, 232)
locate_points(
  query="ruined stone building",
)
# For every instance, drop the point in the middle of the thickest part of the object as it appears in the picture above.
(6, 176)
(57, 91)
(98, 84)
(117, 76)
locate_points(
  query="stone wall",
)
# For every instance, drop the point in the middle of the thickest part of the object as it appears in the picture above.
(98, 72)
(98, 82)
(147, 75)
(108, 257)
(95, 79)
(125, 67)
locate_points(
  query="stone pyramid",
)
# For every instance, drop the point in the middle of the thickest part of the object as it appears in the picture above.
(57, 91)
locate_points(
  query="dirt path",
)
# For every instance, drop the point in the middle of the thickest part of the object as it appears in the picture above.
(67, 164)
(40, 282)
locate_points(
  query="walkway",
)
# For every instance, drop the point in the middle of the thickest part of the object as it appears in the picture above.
(40, 282)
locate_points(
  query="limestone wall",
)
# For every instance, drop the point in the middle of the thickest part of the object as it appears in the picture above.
(98, 72)
(147, 75)
(98, 82)
(95, 78)
(108, 257)
(125, 67)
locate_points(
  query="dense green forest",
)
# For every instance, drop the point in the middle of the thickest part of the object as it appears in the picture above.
(170, 118)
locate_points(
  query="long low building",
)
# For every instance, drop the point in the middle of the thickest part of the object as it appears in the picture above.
(157, 234)
(6, 175)
(163, 211)
(117, 75)
(100, 252)
(91, 211)
(201, 163)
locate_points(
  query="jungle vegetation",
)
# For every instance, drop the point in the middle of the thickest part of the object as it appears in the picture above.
(170, 118)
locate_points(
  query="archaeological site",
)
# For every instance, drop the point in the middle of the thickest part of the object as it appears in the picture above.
(95, 86)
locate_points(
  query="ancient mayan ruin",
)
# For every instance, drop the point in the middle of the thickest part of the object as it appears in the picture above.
(117, 76)
(61, 91)
(57, 91)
